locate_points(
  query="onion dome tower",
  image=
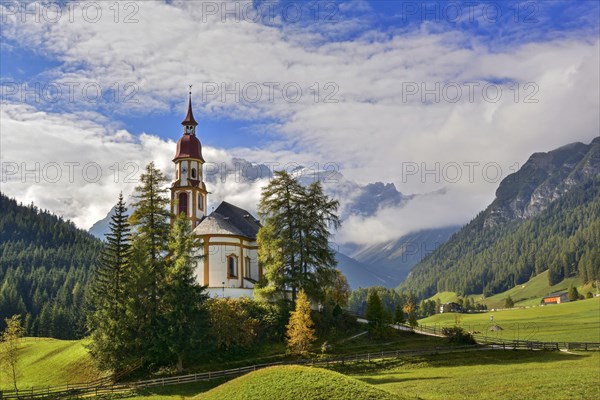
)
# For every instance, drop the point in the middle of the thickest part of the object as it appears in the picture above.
(188, 192)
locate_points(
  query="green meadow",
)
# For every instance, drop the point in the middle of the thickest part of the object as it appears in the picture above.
(577, 321)
(46, 362)
(492, 374)
(529, 293)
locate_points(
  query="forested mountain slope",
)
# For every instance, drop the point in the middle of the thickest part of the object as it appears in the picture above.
(44, 267)
(544, 217)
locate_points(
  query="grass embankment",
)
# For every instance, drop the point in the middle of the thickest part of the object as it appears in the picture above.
(295, 382)
(577, 321)
(48, 362)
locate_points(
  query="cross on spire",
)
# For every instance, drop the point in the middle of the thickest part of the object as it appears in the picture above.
(189, 118)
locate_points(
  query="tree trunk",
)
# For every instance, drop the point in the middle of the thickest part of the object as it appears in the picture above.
(179, 363)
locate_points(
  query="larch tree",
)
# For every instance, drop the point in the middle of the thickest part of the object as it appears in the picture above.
(278, 239)
(294, 238)
(300, 329)
(317, 258)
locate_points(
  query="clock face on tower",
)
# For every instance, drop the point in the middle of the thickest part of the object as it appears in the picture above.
(183, 170)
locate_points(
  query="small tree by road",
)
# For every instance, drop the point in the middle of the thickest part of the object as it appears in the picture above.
(9, 348)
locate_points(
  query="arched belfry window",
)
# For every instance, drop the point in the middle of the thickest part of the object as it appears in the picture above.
(200, 201)
(232, 266)
(193, 173)
(183, 204)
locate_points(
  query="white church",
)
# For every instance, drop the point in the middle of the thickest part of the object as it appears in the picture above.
(230, 266)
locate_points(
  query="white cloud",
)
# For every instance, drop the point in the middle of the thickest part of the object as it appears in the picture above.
(371, 132)
(75, 167)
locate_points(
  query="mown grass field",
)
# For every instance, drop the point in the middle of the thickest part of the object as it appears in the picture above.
(492, 374)
(487, 374)
(577, 321)
(45, 362)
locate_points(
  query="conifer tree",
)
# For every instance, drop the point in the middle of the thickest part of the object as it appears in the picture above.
(294, 239)
(375, 313)
(300, 329)
(278, 239)
(107, 320)
(412, 320)
(573, 294)
(316, 257)
(399, 315)
(184, 319)
(148, 264)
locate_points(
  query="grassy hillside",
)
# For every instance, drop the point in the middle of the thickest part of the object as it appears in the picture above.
(577, 322)
(45, 362)
(486, 375)
(529, 293)
(295, 382)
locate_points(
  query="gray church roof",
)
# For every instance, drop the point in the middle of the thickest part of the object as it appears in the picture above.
(228, 219)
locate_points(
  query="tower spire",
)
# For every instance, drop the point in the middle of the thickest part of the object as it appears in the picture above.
(189, 118)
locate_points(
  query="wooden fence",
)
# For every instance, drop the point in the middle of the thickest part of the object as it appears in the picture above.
(516, 344)
(101, 387)
(87, 390)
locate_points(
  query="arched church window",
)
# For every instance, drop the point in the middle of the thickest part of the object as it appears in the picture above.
(177, 173)
(200, 201)
(193, 173)
(183, 203)
(247, 268)
(232, 266)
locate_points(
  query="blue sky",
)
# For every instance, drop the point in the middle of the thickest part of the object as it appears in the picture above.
(516, 23)
(364, 58)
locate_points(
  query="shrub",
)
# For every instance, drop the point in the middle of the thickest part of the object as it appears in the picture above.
(458, 335)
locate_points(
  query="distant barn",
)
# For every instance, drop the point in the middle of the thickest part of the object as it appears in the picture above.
(556, 298)
(450, 307)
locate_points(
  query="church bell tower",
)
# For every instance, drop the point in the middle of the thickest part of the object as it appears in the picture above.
(188, 192)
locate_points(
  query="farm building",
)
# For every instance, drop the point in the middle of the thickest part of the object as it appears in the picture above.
(450, 307)
(556, 298)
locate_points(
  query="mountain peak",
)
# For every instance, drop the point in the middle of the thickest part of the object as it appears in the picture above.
(544, 178)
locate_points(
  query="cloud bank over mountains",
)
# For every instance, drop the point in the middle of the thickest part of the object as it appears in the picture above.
(428, 108)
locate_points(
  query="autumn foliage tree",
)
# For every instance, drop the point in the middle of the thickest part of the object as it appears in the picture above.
(9, 348)
(300, 330)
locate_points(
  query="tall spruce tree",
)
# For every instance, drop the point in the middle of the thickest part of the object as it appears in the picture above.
(184, 318)
(106, 319)
(375, 313)
(148, 264)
